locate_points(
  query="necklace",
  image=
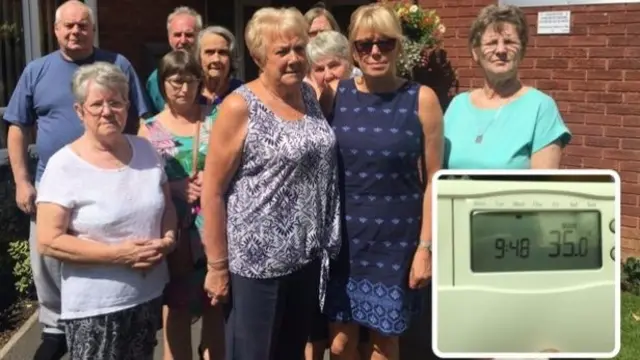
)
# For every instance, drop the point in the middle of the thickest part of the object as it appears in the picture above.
(480, 135)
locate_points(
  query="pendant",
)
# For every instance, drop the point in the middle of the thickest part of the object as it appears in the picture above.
(478, 139)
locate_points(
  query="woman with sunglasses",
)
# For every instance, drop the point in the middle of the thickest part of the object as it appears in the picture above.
(386, 128)
(180, 133)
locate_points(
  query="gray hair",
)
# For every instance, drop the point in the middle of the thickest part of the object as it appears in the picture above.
(185, 10)
(58, 14)
(227, 35)
(328, 44)
(103, 74)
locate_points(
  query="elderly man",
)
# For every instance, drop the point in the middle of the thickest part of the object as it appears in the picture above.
(183, 26)
(43, 97)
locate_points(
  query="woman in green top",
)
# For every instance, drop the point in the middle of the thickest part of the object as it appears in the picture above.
(180, 133)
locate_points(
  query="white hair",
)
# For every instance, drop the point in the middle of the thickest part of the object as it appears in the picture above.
(328, 44)
(225, 34)
(103, 74)
(185, 10)
(58, 14)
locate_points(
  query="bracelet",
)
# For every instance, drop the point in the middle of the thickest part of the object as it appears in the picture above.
(213, 264)
(425, 245)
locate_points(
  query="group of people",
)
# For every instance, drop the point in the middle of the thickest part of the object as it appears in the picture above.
(291, 213)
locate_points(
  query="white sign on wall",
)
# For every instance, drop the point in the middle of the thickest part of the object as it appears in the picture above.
(554, 22)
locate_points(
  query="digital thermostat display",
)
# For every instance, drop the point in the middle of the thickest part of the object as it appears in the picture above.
(509, 241)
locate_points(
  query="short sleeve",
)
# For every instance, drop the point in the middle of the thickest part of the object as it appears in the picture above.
(160, 162)
(56, 185)
(550, 127)
(20, 109)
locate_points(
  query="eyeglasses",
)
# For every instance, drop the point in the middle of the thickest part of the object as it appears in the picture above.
(178, 83)
(96, 109)
(365, 47)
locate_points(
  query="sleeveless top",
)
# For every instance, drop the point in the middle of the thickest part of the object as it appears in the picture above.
(283, 202)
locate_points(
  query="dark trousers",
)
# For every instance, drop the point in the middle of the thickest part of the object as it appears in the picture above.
(270, 319)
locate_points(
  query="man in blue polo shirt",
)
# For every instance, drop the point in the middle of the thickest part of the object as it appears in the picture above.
(43, 97)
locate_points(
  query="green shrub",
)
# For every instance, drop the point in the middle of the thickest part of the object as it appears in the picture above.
(631, 275)
(23, 278)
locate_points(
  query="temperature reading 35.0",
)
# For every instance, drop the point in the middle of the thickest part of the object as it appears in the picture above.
(535, 241)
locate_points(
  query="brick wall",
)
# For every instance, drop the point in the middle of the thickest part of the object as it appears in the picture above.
(593, 74)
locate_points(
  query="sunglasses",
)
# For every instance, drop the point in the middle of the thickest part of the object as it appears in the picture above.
(365, 47)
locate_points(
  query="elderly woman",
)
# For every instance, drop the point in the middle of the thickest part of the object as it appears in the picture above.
(386, 127)
(180, 133)
(329, 54)
(319, 20)
(270, 197)
(216, 48)
(105, 211)
(504, 124)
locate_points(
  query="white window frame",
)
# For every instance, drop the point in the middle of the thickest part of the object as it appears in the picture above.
(536, 3)
(31, 26)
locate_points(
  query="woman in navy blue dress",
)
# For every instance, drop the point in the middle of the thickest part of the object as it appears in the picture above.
(386, 127)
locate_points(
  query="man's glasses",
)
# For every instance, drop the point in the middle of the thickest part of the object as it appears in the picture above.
(96, 109)
(365, 47)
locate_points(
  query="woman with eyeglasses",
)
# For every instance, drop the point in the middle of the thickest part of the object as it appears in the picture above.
(388, 130)
(105, 211)
(180, 133)
(504, 124)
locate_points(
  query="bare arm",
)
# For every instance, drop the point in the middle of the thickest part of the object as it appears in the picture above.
(54, 240)
(430, 114)
(169, 220)
(223, 158)
(548, 157)
(17, 149)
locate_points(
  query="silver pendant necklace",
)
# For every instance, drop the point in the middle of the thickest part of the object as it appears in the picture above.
(480, 135)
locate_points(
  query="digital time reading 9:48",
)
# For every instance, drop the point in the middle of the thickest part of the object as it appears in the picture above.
(535, 241)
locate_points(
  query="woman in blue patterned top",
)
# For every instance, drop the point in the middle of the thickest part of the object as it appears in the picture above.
(386, 126)
(504, 124)
(270, 197)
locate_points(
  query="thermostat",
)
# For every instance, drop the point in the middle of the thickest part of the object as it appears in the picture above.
(525, 263)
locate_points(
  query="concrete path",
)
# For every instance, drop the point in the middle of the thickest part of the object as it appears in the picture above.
(24, 348)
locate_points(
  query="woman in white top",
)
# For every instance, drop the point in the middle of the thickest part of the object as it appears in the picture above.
(105, 211)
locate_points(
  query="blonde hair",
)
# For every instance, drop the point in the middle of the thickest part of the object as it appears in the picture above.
(270, 20)
(378, 18)
(317, 12)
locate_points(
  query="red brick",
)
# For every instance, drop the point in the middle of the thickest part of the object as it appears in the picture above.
(535, 74)
(588, 64)
(621, 154)
(552, 84)
(604, 98)
(571, 96)
(602, 142)
(628, 86)
(586, 130)
(632, 98)
(604, 75)
(572, 160)
(569, 52)
(627, 64)
(574, 118)
(599, 163)
(623, 132)
(588, 85)
(588, 108)
(590, 18)
(631, 121)
(624, 41)
(630, 166)
(632, 52)
(569, 74)
(606, 52)
(607, 29)
(629, 17)
(623, 109)
(610, 120)
(588, 40)
(584, 152)
(631, 144)
(629, 177)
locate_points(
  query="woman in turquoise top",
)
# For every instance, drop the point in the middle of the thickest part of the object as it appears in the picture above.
(504, 124)
(180, 133)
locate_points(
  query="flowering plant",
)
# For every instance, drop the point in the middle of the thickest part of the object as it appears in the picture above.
(422, 32)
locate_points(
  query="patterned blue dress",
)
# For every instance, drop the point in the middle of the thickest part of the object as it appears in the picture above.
(380, 142)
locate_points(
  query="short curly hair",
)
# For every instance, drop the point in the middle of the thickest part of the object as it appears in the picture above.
(496, 16)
